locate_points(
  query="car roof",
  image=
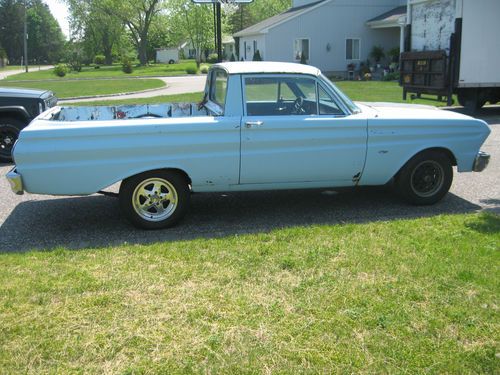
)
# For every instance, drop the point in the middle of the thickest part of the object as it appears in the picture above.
(19, 92)
(256, 67)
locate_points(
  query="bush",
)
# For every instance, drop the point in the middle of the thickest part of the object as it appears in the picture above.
(76, 66)
(391, 77)
(61, 70)
(213, 58)
(377, 53)
(204, 69)
(99, 60)
(256, 56)
(191, 69)
(232, 57)
(127, 66)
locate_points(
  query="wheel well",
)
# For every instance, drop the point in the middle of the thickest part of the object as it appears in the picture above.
(175, 170)
(14, 115)
(441, 150)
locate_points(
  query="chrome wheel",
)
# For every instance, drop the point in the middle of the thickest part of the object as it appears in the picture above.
(155, 199)
(427, 178)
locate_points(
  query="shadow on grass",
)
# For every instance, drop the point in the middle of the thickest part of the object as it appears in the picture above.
(487, 224)
(95, 221)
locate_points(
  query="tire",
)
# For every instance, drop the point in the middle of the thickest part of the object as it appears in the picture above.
(9, 132)
(155, 199)
(425, 179)
(171, 62)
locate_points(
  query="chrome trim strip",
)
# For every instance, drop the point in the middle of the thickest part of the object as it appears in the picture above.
(481, 161)
(16, 182)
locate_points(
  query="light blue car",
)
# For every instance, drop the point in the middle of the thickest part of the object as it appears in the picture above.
(260, 126)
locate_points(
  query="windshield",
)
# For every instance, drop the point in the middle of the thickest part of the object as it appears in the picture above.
(345, 99)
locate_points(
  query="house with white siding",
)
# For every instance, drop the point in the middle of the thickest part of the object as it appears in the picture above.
(331, 34)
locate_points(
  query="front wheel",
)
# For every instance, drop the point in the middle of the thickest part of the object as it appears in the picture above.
(425, 179)
(155, 200)
(9, 132)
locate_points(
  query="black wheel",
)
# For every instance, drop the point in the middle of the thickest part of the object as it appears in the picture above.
(155, 199)
(9, 132)
(425, 179)
(171, 62)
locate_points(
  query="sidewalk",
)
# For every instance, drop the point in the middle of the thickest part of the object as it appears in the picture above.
(6, 73)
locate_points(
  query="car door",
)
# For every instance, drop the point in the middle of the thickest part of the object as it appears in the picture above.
(294, 130)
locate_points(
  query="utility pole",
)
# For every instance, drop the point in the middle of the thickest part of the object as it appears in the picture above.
(219, 31)
(25, 37)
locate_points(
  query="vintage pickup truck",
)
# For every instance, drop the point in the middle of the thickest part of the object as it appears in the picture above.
(261, 125)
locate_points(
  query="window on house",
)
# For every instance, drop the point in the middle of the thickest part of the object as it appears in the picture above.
(301, 46)
(245, 50)
(254, 46)
(352, 49)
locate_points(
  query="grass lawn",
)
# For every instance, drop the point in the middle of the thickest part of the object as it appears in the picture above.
(109, 72)
(377, 91)
(65, 89)
(359, 91)
(406, 296)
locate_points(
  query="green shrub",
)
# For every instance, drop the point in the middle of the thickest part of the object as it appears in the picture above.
(394, 76)
(204, 68)
(127, 66)
(99, 60)
(213, 58)
(256, 56)
(232, 57)
(191, 69)
(61, 70)
(76, 66)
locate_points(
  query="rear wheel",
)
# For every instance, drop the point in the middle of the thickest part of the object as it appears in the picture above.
(425, 179)
(155, 199)
(9, 132)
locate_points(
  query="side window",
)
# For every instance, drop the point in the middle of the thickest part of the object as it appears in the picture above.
(219, 87)
(278, 96)
(327, 105)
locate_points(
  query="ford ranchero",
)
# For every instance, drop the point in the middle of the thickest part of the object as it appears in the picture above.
(261, 125)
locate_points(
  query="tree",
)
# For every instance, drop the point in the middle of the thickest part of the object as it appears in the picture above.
(137, 16)
(242, 16)
(99, 31)
(46, 41)
(194, 22)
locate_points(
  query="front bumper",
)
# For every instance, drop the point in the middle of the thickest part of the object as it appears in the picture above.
(16, 182)
(481, 161)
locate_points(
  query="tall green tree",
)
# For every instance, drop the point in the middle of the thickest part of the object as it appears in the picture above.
(46, 40)
(194, 23)
(137, 16)
(99, 32)
(244, 15)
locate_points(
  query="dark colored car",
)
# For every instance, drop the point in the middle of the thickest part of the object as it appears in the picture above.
(18, 107)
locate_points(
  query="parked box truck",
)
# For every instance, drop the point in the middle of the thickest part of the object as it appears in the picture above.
(453, 47)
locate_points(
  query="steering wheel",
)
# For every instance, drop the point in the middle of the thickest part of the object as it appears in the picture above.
(297, 107)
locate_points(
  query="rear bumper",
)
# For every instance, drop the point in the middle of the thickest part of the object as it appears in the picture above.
(481, 161)
(16, 182)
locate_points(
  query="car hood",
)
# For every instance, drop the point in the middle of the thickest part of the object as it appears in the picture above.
(18, 92)
(409, 111)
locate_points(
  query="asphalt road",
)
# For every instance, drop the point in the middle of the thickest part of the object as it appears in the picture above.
(44, 222)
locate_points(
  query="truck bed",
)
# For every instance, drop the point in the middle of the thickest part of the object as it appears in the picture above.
(127, 112)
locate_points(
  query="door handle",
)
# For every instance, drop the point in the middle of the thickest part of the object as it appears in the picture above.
(253, 124)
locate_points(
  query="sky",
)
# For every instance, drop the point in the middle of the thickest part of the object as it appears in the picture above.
(60, 11)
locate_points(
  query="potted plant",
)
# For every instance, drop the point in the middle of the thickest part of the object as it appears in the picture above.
(377, 54)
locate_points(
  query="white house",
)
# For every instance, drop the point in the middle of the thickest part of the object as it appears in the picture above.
(330, 33)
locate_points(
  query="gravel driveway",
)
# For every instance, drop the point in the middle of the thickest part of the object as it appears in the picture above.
(43, 222)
